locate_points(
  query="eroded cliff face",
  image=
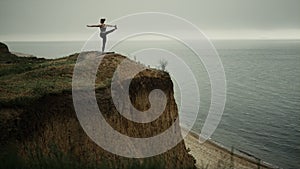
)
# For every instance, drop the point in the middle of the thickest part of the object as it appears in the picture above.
(47, 126)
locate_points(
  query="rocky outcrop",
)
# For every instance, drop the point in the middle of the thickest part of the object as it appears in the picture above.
(3, 48)
(45, 126)
(9, 59)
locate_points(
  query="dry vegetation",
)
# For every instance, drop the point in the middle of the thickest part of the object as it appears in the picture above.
(39, 128)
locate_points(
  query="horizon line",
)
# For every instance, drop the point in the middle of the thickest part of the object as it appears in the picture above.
(113, 40)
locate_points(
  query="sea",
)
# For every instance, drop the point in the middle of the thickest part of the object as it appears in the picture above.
(262, 110)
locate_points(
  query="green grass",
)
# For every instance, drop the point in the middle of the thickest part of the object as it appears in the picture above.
(31, 77)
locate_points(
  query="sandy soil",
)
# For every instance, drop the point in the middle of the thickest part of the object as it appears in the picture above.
(210, 155)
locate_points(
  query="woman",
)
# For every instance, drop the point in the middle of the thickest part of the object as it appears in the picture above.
(103, 31)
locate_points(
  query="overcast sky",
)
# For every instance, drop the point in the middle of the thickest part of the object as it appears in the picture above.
(66, 20)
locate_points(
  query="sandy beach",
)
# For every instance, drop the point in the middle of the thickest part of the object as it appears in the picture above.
(211, 155)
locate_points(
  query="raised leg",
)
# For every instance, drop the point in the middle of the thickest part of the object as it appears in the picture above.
(110, 31)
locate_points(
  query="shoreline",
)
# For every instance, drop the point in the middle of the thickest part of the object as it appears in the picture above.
(211, 154)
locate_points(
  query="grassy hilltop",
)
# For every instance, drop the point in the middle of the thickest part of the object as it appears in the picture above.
(39, 127)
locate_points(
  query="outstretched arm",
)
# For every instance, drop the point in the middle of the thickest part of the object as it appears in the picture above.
(93, 25)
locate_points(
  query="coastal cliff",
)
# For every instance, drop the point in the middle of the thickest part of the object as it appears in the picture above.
(39, 126)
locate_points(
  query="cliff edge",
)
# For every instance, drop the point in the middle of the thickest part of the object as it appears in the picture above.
(39, 127)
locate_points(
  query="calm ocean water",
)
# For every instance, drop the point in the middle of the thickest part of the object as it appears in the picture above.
(262, 112)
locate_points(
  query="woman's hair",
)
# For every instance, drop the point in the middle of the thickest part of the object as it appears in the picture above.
(102, 20)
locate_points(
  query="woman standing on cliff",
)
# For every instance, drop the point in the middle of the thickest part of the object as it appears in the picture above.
(103, 31)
